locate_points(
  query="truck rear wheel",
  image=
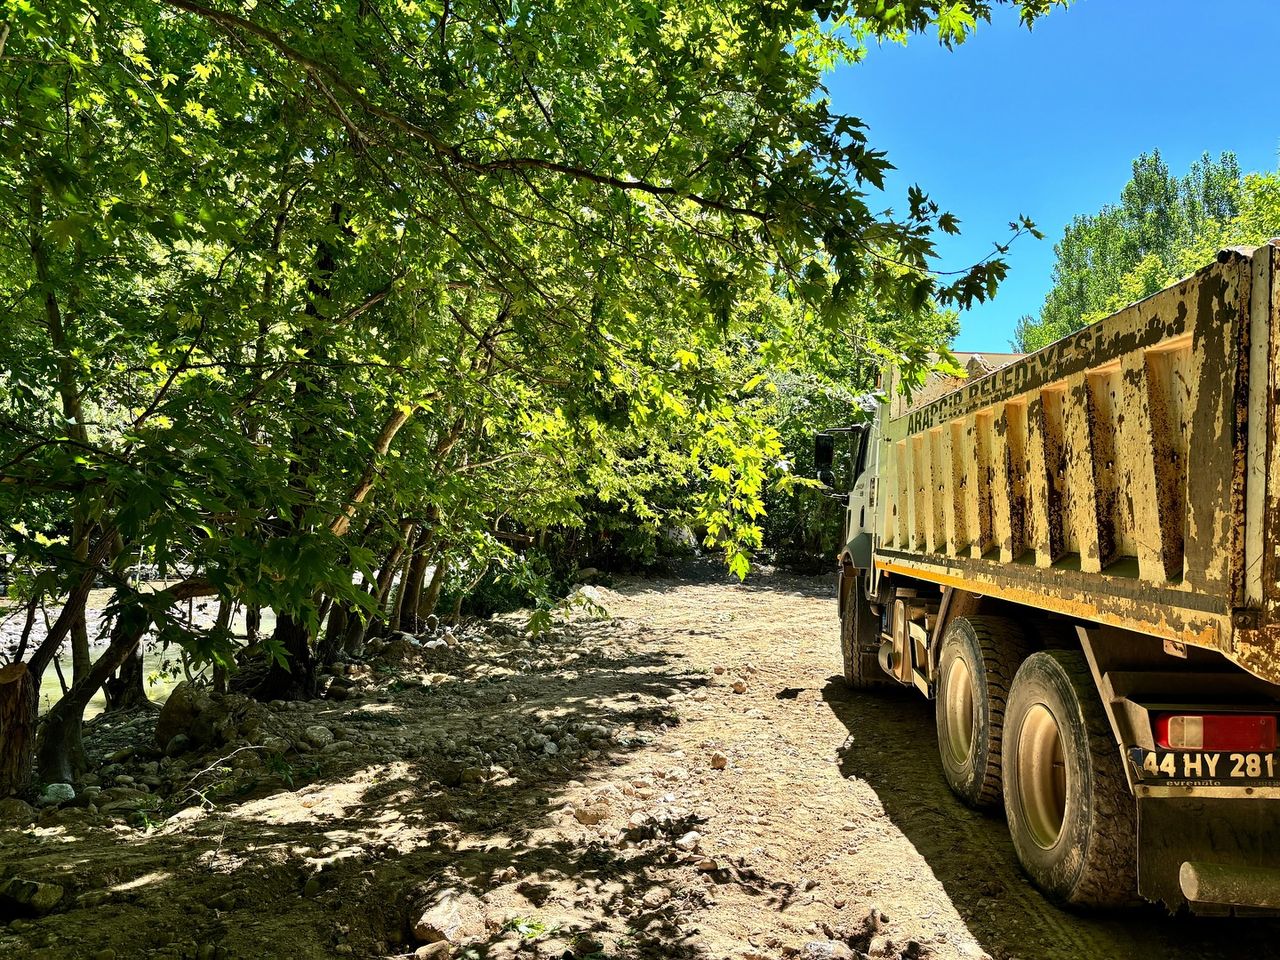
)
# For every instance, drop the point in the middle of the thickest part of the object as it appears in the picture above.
(859, 636)
(1065, 794)
(978, 660)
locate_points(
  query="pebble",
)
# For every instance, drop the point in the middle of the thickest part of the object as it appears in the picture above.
(689, 842)
(719, 761)
(826, 950)
(739, 686)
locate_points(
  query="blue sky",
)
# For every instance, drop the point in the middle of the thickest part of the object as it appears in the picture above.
(1047, 122)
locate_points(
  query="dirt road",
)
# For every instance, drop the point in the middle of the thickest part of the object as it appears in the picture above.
(688, 779)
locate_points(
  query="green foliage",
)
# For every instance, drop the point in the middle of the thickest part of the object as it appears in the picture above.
(1163, 228)
(294, 296)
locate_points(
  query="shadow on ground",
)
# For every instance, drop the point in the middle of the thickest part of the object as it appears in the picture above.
(892, 745)
(336, 865)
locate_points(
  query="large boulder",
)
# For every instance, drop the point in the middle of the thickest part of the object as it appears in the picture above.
(179, 714)
(207, 719)
(30, 896)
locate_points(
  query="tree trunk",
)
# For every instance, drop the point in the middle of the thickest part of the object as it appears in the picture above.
(297, 679)
(385, 576)
(222, 624)
(413, 580)
(353, 639)
(393, 619)
(335, 633)
(60, 751)
(127, 689)
(18, 706)
(428, 605)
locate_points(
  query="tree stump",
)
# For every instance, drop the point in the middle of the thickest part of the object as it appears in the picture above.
(19, 700)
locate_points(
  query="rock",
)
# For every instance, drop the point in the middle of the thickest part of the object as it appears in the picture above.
(739, 686)
(718, 669)
(719, 761)
(55, 793)
(657, 897)
(440, 950)
(550, 748)
(31, 896)
(15, 812)
(312, 887)
(318, 735)
(826, 950)
(452, 916)
(178, 744)
(178, 715)
(592, 813)
(689, 842)
(114, 794)
(338, 746)
(880, 946)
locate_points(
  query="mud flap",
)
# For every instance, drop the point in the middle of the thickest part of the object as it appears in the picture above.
(1233, 836)
(859, 549)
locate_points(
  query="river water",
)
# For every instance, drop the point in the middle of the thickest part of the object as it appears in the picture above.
(162, 667)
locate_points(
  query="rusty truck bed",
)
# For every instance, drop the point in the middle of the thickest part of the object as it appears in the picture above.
(1128, 474)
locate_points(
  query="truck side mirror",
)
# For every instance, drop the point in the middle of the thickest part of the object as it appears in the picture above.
(824, 455)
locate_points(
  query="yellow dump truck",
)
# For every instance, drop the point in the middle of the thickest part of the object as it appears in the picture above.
(1076, 554)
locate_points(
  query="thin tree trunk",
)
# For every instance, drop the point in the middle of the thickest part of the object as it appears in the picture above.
(432, 598)
(385, 577)
(222, 624)
(413, 580)
(353, 639)
(397, 611)
(127, 690)
(335, 633)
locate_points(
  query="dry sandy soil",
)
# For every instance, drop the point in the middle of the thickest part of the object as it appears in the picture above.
(687, 778)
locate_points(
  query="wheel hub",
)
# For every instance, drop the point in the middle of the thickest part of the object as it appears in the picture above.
(959, 712)
(1042, 776)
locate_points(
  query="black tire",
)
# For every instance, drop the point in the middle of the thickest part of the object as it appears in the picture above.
(859, 636)
(1071, 774)
(978, 660)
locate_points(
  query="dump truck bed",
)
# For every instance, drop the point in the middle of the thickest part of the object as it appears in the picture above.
(1127, 474)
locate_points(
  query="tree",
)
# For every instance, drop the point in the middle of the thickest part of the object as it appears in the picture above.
(295, 295)
(1130, 250)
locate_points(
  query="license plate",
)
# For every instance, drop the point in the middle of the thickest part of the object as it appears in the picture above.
(1178, 767)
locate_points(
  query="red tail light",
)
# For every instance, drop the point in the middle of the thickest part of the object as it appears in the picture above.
(1216, 731)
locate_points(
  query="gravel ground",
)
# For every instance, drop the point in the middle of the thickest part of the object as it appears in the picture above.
(686, 778)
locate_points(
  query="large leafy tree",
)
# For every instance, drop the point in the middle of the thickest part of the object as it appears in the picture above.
(300, 297)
